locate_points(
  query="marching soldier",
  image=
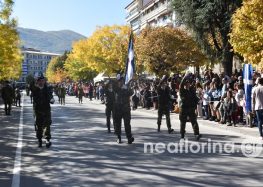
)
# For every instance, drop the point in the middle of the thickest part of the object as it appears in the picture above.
(109, 102)
(42, 97)
(80, 93)
(164, 98)
(7, 95)
(188, 103)
(62, 94)
(59, 90)
(18, 97)
(27, 89)
(123, 110)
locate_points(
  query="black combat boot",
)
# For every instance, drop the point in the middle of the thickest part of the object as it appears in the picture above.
(39, 143)
(119, 139)
(197, 137)
(170, 131)
(159, 128)
(130, 140)
(48, 143)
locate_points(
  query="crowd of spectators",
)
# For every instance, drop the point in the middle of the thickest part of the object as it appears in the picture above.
(221, 97)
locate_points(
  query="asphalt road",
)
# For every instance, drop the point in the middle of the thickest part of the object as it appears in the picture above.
(84, 154)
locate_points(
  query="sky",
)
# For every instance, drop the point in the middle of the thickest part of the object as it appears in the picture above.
(81, 16)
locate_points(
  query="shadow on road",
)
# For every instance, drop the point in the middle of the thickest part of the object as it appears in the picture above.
(84, 154)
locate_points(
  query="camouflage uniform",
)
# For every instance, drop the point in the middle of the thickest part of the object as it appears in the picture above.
(80, 94)
(42, 112)
(123, 111)
(188, 105)
(18, 97)
(7, 95)
(164, 98)
(109, 102)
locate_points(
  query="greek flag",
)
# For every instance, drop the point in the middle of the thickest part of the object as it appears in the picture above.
(130, 66)
(248, 83)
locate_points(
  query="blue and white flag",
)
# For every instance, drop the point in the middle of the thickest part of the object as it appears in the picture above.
(130, 66)
(248, 83)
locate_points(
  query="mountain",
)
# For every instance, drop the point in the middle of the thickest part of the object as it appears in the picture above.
(50, 41)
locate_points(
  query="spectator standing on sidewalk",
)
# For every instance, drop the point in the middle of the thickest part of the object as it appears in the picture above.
(257, 104)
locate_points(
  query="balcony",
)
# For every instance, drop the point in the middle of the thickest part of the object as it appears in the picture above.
(153, 15)
(133, 16)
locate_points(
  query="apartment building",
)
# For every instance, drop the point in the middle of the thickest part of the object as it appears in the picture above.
(154, 13)
(35, 61)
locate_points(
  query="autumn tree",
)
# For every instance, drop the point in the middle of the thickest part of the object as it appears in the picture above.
(209, 21)
(10, 54)
(247, 31)
(104, 51)
(164, 50)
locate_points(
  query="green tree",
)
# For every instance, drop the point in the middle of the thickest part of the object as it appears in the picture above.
(209, 21)
(77, 70)
(55, 70)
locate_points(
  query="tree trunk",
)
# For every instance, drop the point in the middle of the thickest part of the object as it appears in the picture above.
(197, 70)
(227, 62)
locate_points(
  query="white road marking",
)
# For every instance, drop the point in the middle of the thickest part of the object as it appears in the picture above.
(17, 164)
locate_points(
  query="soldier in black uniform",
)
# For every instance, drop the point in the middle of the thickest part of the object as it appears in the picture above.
(18, 97)
(188, 104)
(164, 98)
(123, 110)
(80, 93)
(109, 102)
(7, 96)
(62, 94)
(42, 97)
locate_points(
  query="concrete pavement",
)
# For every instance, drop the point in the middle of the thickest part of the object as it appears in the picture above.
(84, 154)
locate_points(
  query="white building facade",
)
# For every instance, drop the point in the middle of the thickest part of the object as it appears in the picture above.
(35, 61)
(154, 13)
